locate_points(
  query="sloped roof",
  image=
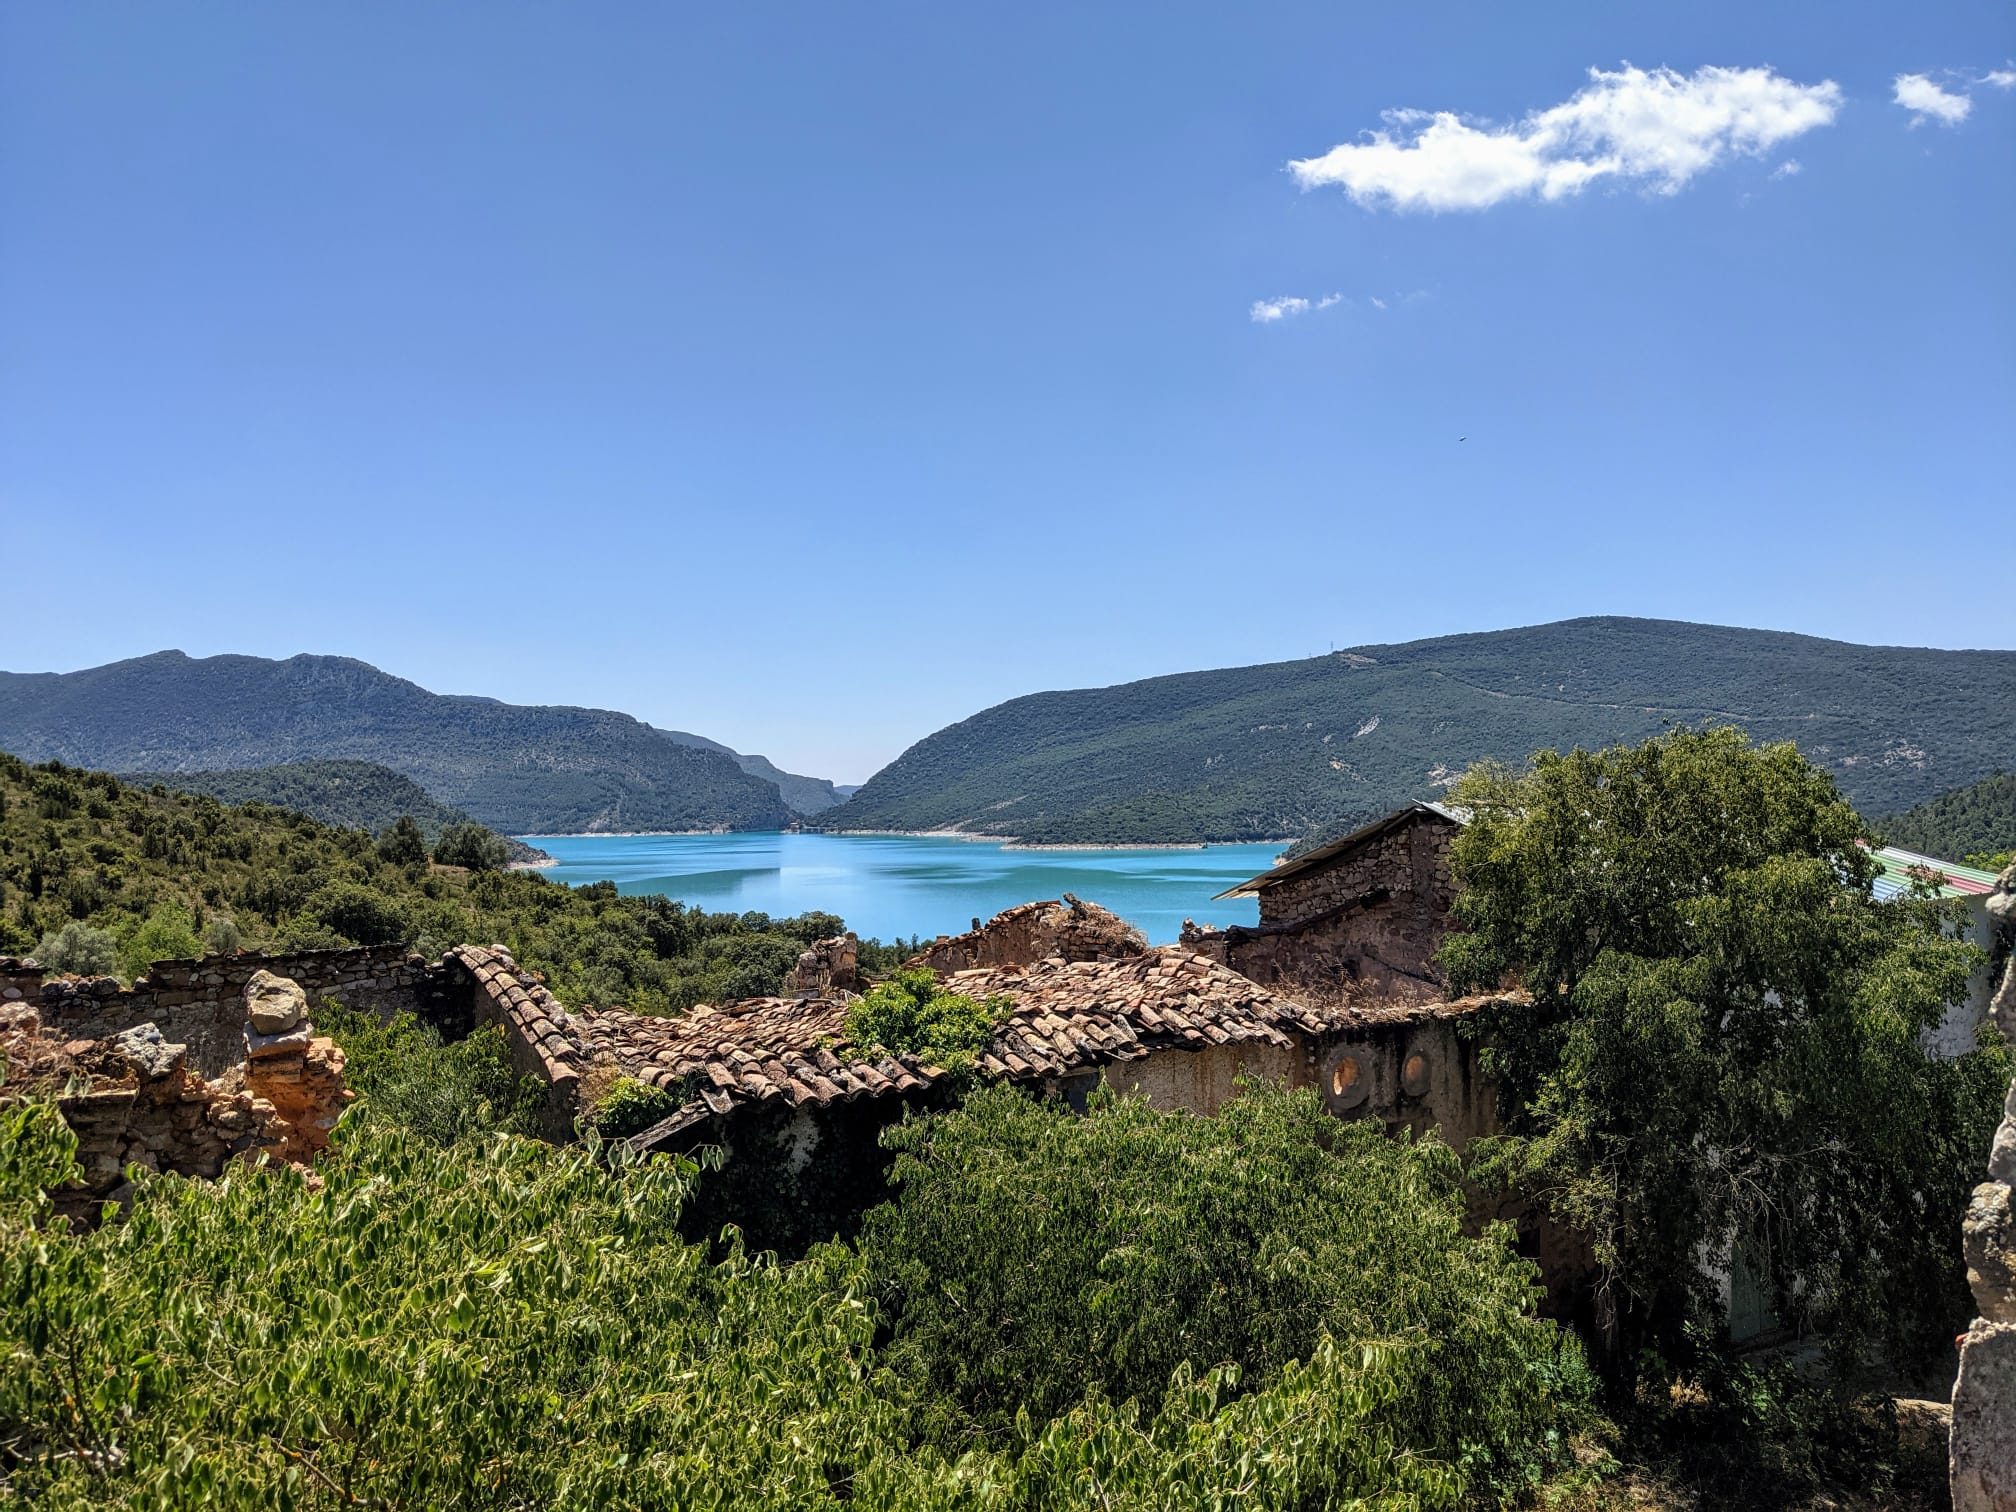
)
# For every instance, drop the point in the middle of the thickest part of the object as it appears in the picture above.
(1066, 1017)
(1901, 868)
(1358, 838)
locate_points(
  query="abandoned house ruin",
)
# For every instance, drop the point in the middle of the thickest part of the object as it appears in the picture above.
(1368, 909)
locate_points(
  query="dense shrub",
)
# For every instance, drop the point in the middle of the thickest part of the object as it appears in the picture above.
(630, 1107)
(495, 1323)
(912, 1014)
(1033, 1257)
(471, 845)
(403, 844)
(166, 934)
(80, 949)
(406, 1075)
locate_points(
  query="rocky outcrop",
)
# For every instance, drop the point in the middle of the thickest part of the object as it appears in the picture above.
(1032, 932)
(1983, 1449)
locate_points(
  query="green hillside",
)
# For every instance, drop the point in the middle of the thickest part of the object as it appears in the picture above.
(1976, 820)
(519, 769)
(137, 875)
(805, 795)
(347, 794)
(1292, 748)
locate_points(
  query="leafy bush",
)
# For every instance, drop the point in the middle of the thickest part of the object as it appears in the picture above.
(80, 949)
(359, 914)
(404, 1074)
(166, 934)
(471, 846)
(911, 1014)
(1033, 1259)
(220, 934)
(497, 1324)
(630, 1107)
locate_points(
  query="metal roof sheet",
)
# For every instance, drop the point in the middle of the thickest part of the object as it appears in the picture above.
(1901, 868)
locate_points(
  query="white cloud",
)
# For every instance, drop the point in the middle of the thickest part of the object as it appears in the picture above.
(1267, 311)
(1378, 303)
(2001, 78)
(1657, 127)
(1790, 168)
(1929, 101)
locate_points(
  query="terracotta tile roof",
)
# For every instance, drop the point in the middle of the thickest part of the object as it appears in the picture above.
(1067, 1017)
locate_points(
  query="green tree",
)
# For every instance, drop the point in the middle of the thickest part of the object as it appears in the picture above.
(80, 949)
(403, 844)
(471, 846)
(1722, 1056)
(166, 934)
(359, 914)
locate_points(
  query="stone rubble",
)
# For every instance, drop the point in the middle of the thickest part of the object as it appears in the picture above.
(133, 1098)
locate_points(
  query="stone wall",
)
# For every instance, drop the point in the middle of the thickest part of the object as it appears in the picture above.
(1031, 932)
(133, 1098)
(1983, 1457)
(200, 1003)
(1373, 914)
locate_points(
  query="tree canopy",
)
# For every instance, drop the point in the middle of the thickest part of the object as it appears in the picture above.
(1723, 1053)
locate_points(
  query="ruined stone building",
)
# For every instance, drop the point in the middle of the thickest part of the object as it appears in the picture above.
(1367, 910)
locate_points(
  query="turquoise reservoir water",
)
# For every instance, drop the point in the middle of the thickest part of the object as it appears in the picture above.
(889, 885)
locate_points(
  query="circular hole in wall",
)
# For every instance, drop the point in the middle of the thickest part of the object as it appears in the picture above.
(1349, 1083)
(1414, 1075)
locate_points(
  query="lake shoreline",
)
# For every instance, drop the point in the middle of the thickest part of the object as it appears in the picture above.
(919, 885)
(1006, 842)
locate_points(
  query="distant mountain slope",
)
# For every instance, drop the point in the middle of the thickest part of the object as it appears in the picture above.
(805, 795)
(1292, 748)
(517, 768)
(350, 794)
(1970, 821)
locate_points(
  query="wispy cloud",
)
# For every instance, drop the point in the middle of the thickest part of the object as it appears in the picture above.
(1657, 127)
(1267, 311)
(1790, 168)
(2001, 78)
(1928, 101)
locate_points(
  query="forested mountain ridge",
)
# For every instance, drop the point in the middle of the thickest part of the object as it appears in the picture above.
(1292, 748)
(347, 794)
(805, 795)
(1976, 820)
(517, 768)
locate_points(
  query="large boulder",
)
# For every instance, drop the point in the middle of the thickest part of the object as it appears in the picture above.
(274, 1004)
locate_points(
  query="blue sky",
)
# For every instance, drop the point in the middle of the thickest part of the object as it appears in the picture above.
(813, 376)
